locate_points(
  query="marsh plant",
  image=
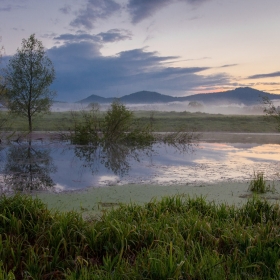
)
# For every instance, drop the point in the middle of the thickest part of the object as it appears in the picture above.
(174, 238)
(259, 185)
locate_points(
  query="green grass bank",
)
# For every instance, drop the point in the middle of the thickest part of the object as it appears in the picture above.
(174, 238)
(162, 121)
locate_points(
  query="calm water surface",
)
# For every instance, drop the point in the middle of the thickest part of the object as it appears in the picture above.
(62, 166)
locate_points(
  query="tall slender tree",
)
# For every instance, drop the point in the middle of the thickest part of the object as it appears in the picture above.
(28, 77)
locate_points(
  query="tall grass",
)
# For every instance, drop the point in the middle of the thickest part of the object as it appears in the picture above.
(174, 238)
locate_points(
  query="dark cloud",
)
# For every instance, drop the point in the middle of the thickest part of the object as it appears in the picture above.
(66, 9)
(141, 9)
(269, 75)
(82, 70)
(74, 51)
(227, 65)
(95, 9)
(77, 37)
(112, 35)
(115, 35)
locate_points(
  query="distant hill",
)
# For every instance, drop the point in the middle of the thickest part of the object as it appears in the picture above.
(96, 99)
(242, 95)
(147, 97)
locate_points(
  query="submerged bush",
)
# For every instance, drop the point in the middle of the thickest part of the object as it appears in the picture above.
(86, 126)
(174, 238)
(117, 125)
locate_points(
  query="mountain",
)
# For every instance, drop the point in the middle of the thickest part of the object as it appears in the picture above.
(147, 97)
(242, 95)
(137, 97)
(96, 99)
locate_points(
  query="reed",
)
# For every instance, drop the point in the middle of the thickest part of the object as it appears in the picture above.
(259, 185)
(174, 238)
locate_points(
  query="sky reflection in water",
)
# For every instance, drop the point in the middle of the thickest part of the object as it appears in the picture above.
(60, 166)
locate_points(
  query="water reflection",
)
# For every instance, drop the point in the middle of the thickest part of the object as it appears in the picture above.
(28, 168)
(32, 166)
(114, 157)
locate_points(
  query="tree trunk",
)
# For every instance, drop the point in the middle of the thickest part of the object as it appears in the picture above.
(30, 122)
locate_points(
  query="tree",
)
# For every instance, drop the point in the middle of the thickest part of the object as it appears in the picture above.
(117, 122)
(28, 76)
(271, 111)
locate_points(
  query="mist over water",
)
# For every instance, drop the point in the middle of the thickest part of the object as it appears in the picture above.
(226, 109)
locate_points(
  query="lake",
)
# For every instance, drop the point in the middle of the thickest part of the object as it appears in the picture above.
(60, 166)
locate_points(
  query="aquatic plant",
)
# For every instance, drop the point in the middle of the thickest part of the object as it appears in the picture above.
(173, 238)
(259, 185)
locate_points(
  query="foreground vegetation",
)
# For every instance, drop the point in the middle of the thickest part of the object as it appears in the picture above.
(162, 121)
(175, 238)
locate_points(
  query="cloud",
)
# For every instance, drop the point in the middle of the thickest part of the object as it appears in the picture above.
(112, 35)
(228, 65)
(82, 70)
(140, 9)
(66, 9)
(10, 5)
(115, 35)
(77, 37)
(9, 8)
(94, 10)
(102, 9)
(269, 75)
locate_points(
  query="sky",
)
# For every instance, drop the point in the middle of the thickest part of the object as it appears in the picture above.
(112, 48)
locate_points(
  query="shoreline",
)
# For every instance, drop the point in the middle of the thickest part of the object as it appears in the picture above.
(94, 201)
(211, 136)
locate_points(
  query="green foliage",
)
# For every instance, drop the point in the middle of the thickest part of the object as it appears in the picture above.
(258, 184)
(174, 238)
(27, 79)
(86, 126)
(117, 125)
(117, 122)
